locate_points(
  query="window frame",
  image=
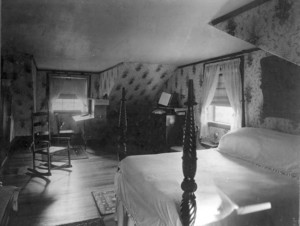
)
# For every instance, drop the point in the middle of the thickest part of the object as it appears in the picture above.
(213, 123)
(70, 75)
(67, 111)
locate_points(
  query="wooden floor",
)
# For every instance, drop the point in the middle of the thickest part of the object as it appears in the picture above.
(66, 197)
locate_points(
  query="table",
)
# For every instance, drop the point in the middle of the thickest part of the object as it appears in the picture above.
(83, 118)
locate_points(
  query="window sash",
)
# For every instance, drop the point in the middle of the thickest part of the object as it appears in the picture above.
(220, 96)
(69, 87)
(218, 114)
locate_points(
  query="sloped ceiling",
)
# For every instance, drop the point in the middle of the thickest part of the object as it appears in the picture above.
(92, 35)
(273, 26)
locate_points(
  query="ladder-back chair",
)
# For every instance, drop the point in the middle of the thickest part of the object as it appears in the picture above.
(43, 144)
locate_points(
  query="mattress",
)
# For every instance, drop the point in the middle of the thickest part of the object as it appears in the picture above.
(148, 186)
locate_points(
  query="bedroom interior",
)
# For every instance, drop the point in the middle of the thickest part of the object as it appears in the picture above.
(44, 60)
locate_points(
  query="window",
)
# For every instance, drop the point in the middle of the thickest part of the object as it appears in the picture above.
(221, 83)
(220, 111)
(67, 102)
(68, 93)
(222, 114)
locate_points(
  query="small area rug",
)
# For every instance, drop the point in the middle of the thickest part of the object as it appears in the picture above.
(91, 222)
(105, 199)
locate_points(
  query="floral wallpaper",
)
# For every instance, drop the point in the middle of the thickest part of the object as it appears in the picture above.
(254, 98)
(19, 69)
(142, 82)
(252, 91)
(273, 26)
(102, 83)
(41, 95)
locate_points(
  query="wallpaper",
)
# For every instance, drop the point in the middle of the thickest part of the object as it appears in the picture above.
(41, 87)
(18, 68)
(252, 90)
(273, 26)
(254, 98)
(102, 83)
(142, 82)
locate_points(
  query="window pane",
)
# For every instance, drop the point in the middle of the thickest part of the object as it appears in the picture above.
(67, 105)
(223, 114)
(67, 89)
(57, 104)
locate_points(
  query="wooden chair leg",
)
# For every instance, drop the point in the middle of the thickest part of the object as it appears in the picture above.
(33, 160)
(69, 157)
(49, 164)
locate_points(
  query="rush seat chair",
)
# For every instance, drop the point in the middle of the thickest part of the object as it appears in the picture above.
(43, 145)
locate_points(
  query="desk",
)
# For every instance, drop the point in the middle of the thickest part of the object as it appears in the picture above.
(83, 118)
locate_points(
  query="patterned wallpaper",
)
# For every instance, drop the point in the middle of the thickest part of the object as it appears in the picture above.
(273, 26)
(254, 98)
(142, 82)
(252, 90)
(41, 87)
(102, 83)
(20, 69)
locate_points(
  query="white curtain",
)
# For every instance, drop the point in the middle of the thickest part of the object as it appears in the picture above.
(211, 76)
(233, 86)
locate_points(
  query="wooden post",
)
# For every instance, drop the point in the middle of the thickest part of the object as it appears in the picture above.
(122, 147)
(188, 207)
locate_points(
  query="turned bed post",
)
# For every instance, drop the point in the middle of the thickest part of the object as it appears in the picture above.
(122, 148)
(188, 207)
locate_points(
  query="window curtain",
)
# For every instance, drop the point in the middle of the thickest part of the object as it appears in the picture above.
(210, 82)
(233, 86)
(72, 85)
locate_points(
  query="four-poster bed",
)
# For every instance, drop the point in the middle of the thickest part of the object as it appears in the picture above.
(251, 170)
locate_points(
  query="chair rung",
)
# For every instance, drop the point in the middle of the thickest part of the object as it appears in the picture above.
(41, 146)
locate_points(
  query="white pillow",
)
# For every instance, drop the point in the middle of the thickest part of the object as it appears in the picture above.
(269, 148)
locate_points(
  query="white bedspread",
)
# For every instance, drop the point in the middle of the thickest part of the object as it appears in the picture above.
(149, 188)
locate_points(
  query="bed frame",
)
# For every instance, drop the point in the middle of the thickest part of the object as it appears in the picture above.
(188, 207)
(122, 140)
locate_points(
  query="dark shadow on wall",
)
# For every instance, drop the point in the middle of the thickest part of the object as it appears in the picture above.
(280, 84)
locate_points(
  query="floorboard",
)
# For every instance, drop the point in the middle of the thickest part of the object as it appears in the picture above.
(66, 197)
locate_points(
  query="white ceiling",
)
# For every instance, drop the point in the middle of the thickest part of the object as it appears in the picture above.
(92, 35)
